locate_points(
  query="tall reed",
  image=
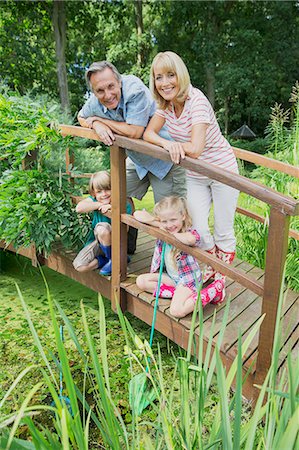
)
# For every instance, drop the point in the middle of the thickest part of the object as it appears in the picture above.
(180, 416)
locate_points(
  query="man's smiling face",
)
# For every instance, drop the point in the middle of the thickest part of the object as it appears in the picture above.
(106, 88)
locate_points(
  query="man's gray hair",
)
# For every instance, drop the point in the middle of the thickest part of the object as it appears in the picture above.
(99, 67)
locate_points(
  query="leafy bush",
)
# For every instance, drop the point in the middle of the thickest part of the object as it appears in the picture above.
(35, 207)
(28, 125)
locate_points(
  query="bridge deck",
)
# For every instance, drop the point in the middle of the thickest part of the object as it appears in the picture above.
(244, 311)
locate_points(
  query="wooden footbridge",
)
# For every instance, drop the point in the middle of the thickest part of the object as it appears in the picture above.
(253, 292)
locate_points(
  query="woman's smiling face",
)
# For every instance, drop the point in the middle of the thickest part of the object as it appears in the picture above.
(166, 83)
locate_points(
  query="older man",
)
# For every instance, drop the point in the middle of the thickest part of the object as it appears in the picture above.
(122, 104)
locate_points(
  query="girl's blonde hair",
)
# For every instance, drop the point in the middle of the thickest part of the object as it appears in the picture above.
(170, 62)
(99, 181)
(178, 205)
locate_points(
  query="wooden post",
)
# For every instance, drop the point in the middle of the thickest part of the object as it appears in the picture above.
(69, 161)
(119, 229)
(275, 261)
(28, 163)
(29, 160)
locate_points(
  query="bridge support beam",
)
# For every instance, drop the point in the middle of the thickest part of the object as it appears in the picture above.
(119, 229)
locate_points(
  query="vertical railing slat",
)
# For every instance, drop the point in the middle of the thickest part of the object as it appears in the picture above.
(275, 260)
(119, 230)
(69, 161)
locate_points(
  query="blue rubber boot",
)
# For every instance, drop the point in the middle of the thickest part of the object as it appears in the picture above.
(106, 269)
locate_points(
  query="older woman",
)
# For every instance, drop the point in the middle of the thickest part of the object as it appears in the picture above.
(192, 124)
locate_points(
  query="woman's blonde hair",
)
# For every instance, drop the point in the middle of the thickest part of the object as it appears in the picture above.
(99, 181)
(179, 205)
(170, 62)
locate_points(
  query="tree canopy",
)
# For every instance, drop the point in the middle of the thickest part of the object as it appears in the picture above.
(243, 55)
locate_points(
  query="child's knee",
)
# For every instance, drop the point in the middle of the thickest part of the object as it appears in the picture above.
(81, 269)
(177, 311)
(140, 281)
(102, 233)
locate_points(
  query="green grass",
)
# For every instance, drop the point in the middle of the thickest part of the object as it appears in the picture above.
(147, 202)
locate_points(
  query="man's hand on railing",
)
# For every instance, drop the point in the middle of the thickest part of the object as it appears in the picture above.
(104, 132)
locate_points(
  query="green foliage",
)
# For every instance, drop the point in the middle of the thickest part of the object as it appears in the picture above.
(243, 54)
(35, 207)
(283, 144)
(28, 125)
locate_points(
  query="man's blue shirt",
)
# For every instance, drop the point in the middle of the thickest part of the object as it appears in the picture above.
(136, 107)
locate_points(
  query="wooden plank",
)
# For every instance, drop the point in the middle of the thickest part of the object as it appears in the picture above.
(69, 164)
(146, 252)
(275, 260)
(209, 309)
(119, 230)
(91, 280)
(294, 352)
(233, 273)
(28, 252)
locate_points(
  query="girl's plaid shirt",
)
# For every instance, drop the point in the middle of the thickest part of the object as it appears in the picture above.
(188, 267)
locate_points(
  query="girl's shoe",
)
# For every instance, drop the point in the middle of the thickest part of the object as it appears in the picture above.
(220, 289)
(165, 291)
(209, 271)
(226, 257)
(214, 293)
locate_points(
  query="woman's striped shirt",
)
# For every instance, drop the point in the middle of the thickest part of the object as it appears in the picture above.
(197, 109)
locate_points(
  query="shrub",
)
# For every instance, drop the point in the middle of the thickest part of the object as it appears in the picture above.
(36, 207)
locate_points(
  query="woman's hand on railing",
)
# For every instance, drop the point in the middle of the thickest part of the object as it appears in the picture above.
(176, 151)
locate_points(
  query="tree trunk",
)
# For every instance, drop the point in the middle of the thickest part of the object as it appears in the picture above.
(139, 23)
(210, 77)
(59, 26)
(226, 115)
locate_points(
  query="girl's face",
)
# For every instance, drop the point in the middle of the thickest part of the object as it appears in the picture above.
(103, 196)
(171, 221)
(166, 83)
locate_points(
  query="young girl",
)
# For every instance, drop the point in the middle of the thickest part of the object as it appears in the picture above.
(192, 124)
(183, 275)
(98, 203)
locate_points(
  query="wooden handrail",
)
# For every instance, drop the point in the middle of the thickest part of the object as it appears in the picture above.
(283, 203)
(264, 161)
(245, 212)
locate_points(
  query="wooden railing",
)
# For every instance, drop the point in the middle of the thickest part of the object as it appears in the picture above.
(282, 208)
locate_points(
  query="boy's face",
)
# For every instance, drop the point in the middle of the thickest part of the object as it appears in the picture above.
(103, 196)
